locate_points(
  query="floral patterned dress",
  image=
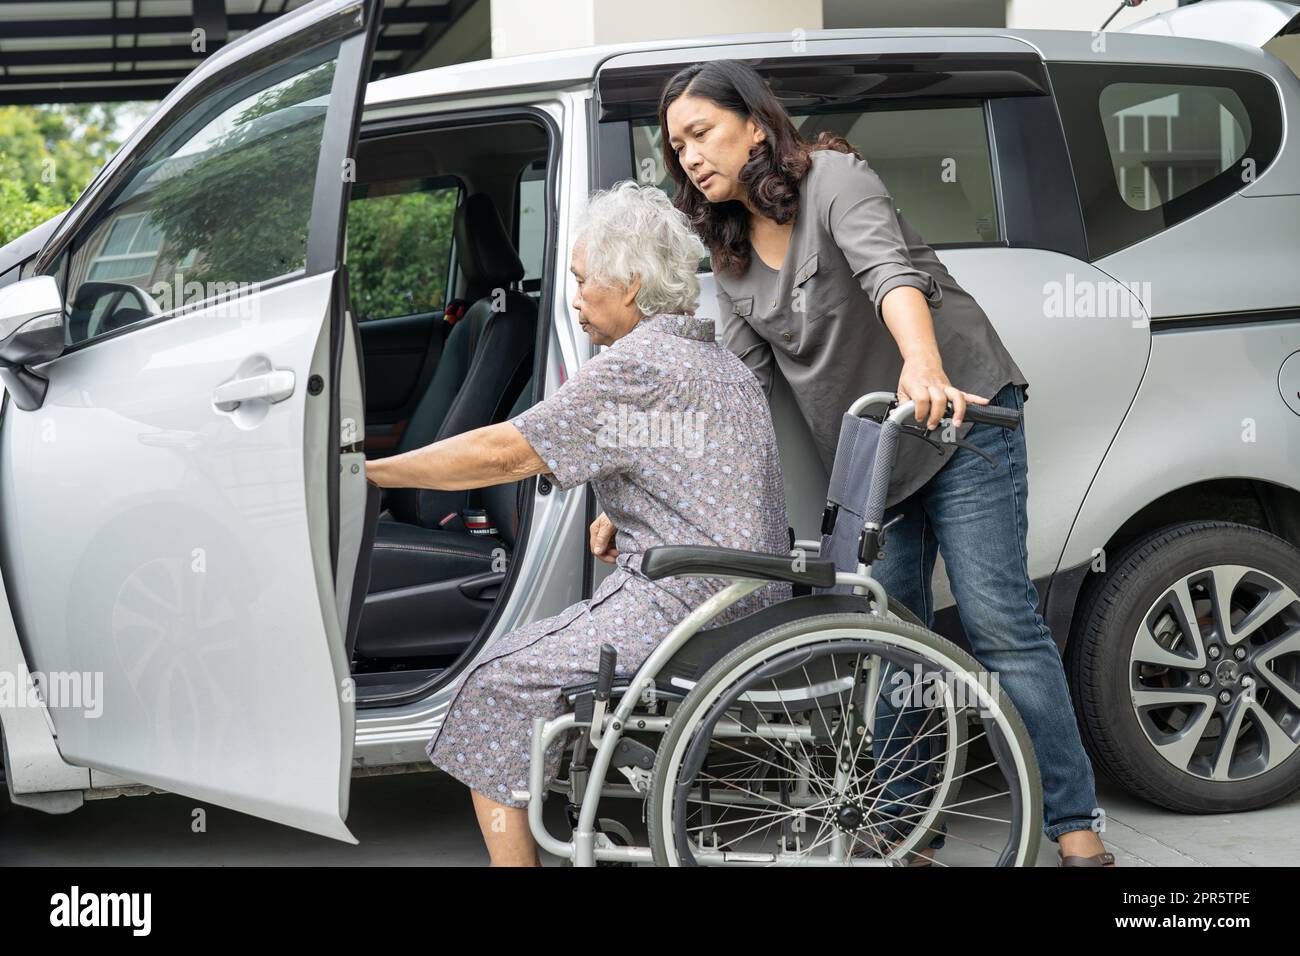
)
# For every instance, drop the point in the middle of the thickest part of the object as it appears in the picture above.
(674, 432)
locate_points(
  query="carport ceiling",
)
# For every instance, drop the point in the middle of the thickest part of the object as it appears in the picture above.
(92, 51)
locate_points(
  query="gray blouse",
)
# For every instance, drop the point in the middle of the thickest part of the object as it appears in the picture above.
(848, 248)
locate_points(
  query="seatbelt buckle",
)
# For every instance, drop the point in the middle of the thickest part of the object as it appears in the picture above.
(478, 522)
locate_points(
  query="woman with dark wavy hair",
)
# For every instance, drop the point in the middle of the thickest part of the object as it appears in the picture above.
(820, 276)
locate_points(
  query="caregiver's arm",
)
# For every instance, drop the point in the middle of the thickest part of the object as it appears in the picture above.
(907, 315)
(491, 455)
(863, 221)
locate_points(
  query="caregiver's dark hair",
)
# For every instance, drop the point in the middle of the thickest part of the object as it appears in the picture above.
(772, 174)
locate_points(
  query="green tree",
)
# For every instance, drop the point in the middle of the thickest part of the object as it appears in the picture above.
(48, 155)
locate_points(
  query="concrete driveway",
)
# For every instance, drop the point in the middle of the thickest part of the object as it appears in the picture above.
(425, 819)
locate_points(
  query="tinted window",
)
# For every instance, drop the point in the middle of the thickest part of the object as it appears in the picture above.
(399, 246)
(221, 202)
(1153, 145)
(934, 159)
(1166, 140)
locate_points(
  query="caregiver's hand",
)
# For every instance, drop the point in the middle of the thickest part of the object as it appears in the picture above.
(602, 539)
(923, 381)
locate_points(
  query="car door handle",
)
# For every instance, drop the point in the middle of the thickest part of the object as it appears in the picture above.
(274, 386)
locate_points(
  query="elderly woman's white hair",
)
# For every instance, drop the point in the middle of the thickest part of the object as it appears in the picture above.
(635, 231)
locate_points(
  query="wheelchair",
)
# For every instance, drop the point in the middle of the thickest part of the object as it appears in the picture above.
(832, 729)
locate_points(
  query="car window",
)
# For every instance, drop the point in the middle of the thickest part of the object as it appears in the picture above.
(1152, 145)
(1165, 140)
(934, 159)
(220, 204)
(530, 223)
(399, 244)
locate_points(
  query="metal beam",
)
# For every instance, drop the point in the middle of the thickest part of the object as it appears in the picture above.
(58, 27)
(150, 54)
(146, 82)
(210, 17)
(88, 94)
(106, 78)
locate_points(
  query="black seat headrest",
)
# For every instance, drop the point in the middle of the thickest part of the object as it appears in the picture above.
(483, 247)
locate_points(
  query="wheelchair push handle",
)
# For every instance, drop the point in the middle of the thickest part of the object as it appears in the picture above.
(905, 413)
(901, 420)
(1008, 418)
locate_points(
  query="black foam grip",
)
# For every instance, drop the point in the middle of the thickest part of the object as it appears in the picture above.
(605, 677)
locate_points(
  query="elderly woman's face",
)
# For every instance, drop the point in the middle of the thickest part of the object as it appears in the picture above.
(605, 314)
(712, 145)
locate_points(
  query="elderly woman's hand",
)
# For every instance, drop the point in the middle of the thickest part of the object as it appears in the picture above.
(602, 539)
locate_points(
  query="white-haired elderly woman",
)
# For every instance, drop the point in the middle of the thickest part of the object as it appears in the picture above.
(675, 435)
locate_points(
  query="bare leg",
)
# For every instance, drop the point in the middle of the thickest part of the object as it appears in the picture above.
(505, 831)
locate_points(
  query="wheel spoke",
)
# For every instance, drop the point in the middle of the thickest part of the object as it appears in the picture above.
(1275, 682)
(1156, 697)
(1148, 650)
(1226, 578)
(1286, 644)
(1179, 747)
(1278, 743)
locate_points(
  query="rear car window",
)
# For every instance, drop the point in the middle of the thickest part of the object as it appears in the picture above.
(1152, 145)
(1166, 140)
(934, 159)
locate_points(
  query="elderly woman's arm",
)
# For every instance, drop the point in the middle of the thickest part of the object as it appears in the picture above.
(491, 455)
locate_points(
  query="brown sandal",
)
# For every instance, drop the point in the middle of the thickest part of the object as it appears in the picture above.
(1098, 859)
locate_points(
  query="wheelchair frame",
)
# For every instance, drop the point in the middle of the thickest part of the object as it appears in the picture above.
(606, 728)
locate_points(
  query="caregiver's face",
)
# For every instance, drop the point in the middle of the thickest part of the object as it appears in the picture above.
(712, 145)
(605, 314)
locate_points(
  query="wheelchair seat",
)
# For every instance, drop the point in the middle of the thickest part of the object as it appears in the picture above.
(711, 644)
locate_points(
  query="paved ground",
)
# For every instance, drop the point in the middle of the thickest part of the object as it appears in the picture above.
(425, 819)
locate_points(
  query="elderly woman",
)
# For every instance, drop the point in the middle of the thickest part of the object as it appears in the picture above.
(674, 433)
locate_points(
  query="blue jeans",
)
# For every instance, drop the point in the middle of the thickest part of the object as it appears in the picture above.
(977, 515)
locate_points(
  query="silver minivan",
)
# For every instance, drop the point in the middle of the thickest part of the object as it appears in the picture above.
(287, 270)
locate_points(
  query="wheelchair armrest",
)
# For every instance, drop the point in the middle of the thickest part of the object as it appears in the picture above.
(663, 561)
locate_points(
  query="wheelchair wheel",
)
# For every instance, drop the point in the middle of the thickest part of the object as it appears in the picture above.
(842, 739)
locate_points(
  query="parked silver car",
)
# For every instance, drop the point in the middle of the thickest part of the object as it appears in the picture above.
(197, 576)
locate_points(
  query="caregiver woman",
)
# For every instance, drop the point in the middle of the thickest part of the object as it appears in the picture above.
(820, 275)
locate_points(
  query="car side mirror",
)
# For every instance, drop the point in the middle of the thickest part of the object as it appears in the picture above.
(31, 333)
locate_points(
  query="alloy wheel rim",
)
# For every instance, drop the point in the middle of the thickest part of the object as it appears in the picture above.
(1214, 673)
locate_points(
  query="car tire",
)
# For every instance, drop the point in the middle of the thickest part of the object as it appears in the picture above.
(1142, 748)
